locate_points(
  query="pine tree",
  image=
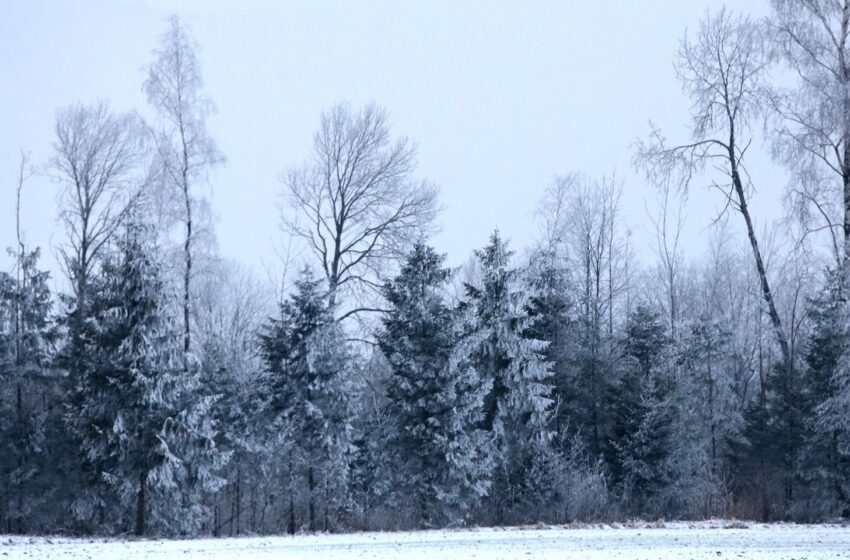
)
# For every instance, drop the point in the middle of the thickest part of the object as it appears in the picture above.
(518, 407)
(435, 397)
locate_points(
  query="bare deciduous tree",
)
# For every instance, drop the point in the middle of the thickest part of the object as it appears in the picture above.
(230, 305)
(723, 72)
(100, 161)
(355, 203)
(813, 132)
(668, 232)
(174, 87)
(581, 219)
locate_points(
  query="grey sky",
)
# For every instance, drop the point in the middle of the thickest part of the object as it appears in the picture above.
(500, 96)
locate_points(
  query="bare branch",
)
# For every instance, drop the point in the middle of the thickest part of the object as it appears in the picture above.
(354, 203)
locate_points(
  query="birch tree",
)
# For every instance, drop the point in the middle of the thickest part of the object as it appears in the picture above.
(174, 87)
(813, 131)
(723, 72)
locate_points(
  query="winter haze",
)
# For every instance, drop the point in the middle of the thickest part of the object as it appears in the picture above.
(500, 97)
(437, 278)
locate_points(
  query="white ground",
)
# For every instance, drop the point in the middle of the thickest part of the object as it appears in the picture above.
(671, 541)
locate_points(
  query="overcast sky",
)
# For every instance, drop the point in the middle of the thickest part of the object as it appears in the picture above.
(500, 96)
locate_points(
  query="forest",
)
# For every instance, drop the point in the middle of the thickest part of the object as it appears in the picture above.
(168, 391)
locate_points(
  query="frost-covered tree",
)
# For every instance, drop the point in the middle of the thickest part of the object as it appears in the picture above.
(26, 393)
(812, 133)
(230, 306)
(551, 308)
(585, 230)
(174, 87)
(355, 203)
(642, 416)
(826, 448)
(100, 162)
(310, 388)
(517, 409)
(708, 416)
(143, 434)
(435, 397)
(723, 70)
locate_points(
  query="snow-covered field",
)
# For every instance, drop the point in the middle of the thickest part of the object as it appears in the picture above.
(673, 540)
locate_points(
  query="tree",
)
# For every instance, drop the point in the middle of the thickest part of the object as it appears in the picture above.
(310, 383)
(174, 87)
(551, 310)
(435, 398)
(355, 203)
(99, 161)
(642, 418)
(723, 73)
(702, 357)
(230, 306)
(137, 419)
(826, 454)
(667, 237)
(813, 130)
(518, 406)
(584, 220)
(26, 338)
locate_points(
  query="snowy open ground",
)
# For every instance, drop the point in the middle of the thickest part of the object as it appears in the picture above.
(673, 540)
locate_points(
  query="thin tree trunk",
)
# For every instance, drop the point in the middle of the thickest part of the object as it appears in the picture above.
(187, 249)
(311, 486)
(845, 163)
(775, 320)
(291, 527)
(238, 500)
(140, 504)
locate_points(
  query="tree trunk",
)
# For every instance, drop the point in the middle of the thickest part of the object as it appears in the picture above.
(238, 500)
(291, 527)
(845, 163)
(187, 249)
(311, 486)
(775, 320)
(140, 504)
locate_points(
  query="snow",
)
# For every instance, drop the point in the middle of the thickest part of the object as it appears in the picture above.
(695, 541)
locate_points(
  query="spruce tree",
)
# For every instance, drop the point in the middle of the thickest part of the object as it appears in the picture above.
(825, 458)
(310, 385)
(642, 416)
(517, 408)
(435, 396)
(550, 308)
(28, 386)
(136, 419)
(766, 454)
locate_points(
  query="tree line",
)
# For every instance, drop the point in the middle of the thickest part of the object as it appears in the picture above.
(167, 391)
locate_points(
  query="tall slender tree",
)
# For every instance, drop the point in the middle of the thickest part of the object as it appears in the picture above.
(174, 87)
(723, 71)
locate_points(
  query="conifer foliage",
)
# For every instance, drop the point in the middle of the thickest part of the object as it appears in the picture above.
(435, 394)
